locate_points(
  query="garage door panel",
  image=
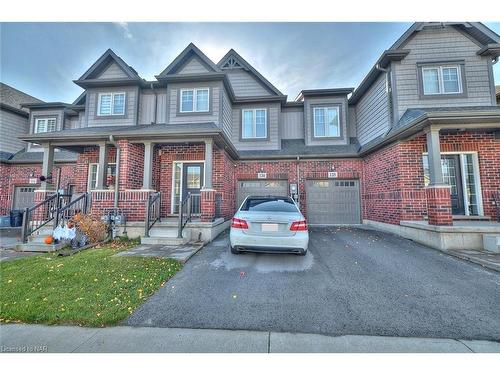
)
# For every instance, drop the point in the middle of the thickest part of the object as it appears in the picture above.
(261, 187)
(24, 196)
(333, 201)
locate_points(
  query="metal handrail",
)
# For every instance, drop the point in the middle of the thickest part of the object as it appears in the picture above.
(40, 214)
(153, 208)
(79, 205)
(185, 204)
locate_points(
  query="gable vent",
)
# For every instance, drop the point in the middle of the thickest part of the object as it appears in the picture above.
(231, 63)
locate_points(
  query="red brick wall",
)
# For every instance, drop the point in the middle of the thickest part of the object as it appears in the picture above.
(12, 175)
(393, 176)
(131, 165)
(224, 182)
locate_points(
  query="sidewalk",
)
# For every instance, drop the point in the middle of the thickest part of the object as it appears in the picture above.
(38, 338)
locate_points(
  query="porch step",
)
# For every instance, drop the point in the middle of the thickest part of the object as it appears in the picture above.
(164, 241)
(166, 235)
(491, 242)
(38, 247)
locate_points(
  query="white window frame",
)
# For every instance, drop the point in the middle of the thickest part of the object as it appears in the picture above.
(113, 94)
(441, 80)
(90, 188)
(326, 124)
(172, 185)
(477, 179)
(195, 102)
(254, 124)
(46, 119)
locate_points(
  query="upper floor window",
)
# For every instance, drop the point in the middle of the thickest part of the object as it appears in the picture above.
(254, 123)
(441, 80)
(194, 100)
(43, 125)
(111, 104)
(326, 122)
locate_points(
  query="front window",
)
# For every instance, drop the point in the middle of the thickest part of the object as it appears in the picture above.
(111, 104)
(326, 122)
(44, 125)
(438, 80)
(93, 170)
(254, 123)
(194, 100)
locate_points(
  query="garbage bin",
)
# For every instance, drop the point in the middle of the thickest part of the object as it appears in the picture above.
(16, 218)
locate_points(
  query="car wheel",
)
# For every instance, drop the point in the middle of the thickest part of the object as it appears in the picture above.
(233, 250)
(302, 252)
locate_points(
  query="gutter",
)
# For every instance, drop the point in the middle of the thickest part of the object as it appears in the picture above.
(117, 174)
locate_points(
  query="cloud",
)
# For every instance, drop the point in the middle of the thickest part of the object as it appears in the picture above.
(125, 28)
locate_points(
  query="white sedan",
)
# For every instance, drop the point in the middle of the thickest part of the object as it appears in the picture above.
(271, 224)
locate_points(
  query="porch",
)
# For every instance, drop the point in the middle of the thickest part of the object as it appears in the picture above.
(126, 175)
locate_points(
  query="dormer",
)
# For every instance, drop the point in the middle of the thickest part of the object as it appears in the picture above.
(112, 92)
(245, 80)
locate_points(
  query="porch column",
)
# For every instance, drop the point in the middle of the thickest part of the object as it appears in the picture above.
(103, 166)
(147, 178)
(47, 167)
(437, 193)
(207, 191)
(208, 164)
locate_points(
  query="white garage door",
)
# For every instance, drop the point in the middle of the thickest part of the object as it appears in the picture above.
(260, 187)
(333, 202)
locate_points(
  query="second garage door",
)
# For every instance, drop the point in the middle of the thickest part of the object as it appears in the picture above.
(333, 201)
(261, 187)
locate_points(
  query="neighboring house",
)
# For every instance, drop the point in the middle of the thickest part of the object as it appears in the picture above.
(497, 88)
(21, 162)
(221, 131)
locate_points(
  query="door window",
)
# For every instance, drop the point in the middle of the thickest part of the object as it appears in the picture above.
(193, 176)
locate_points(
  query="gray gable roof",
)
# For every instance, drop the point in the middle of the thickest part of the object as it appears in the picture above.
(14, 98)
(23, 157)
(245, 65)
(476, 30)
(188, 52)
(89, 77)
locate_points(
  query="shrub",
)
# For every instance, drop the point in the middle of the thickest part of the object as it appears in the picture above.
(92, 227)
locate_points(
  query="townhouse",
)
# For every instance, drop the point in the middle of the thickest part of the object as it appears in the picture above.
(417, 142)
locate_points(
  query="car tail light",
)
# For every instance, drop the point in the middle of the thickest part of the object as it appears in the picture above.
(298, 226)
(239, 223)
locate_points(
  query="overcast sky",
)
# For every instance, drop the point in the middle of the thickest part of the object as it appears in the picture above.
(43, 59)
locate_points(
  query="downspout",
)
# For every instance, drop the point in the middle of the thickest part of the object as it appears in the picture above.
(298, 181)
(389, 91)
(117, 168)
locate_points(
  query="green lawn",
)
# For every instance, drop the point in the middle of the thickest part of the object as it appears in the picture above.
(90, 288)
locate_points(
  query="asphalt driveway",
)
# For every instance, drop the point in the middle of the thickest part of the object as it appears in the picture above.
(352, 281)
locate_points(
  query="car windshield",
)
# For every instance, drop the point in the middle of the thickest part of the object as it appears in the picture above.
(278, 204)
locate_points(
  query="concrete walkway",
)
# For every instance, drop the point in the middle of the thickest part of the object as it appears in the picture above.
(39, 338)
(182, 253)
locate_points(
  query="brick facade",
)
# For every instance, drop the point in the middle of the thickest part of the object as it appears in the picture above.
(394, 178)
(12, 175)
(391, 178)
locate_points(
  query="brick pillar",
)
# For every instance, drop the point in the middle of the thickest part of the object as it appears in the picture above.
(207, 205)
(131, 165)
(439, 205)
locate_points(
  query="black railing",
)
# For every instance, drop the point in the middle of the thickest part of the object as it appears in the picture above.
(79, 205)
(153, 209)
(42, 213)
(185, 212)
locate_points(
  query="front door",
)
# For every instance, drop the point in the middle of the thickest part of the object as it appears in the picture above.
(452, 176)
(192, 182)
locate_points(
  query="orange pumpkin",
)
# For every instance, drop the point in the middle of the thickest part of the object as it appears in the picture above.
(49, 239)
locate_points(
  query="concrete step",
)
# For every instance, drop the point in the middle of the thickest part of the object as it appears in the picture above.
(170, 232)
(154, 240)
(491, 242)
(41, 247)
